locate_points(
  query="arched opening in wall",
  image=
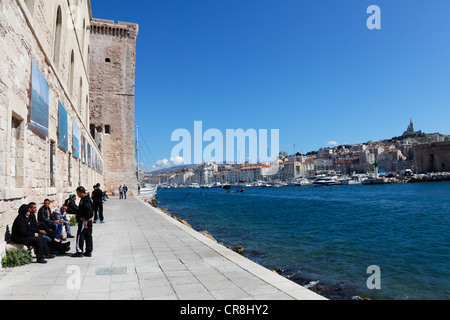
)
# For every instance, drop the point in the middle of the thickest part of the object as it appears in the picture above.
(71, 72)
(88, 58)
(80, 100)
(57, 40)
(431, 164)
(87, 109)
(83, 31)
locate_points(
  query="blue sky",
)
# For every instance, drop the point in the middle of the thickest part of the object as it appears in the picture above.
(310, 68)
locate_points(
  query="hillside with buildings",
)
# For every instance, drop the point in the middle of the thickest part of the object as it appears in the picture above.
(413, 151)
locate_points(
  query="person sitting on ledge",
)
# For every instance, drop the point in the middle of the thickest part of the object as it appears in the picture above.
(49, 237)
(72, 207)
(60, 215)
(22, 233)
(44, 214)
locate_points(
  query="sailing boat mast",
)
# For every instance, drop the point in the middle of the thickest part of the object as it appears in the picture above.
(137, 154)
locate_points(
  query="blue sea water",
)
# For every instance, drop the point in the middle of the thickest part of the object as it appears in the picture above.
(327, 237)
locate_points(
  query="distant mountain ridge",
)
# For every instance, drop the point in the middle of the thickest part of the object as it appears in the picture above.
(174, 169)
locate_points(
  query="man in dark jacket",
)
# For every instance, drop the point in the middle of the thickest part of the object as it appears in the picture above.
(84, 234)
(49, 237)
(22, 233)
(97, 199)
(44, 215)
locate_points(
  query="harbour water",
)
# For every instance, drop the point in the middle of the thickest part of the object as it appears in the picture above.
(325, 238)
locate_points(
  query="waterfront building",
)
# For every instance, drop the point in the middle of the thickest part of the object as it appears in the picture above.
(46, 148)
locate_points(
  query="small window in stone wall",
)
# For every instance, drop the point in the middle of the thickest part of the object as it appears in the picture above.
(69, 177)
(108, 129)
(52, 169)
(108, 60)
(92, 129)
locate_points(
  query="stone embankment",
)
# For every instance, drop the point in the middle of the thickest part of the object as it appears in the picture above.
(430, 177)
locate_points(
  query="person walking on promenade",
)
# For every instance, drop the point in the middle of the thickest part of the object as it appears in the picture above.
(22, 233)
(120, 192)
(125, 190)
(97, 199)
(84, 219)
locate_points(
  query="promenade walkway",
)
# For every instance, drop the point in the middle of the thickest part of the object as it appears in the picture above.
(141, 253)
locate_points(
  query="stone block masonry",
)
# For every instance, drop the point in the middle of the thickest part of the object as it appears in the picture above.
(112, 98)
(33, 166)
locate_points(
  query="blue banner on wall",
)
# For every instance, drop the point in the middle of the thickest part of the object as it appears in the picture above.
(62, 123)
(76, 141)
(39, 101)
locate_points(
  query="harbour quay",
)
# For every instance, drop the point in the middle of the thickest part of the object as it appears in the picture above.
(141, 253)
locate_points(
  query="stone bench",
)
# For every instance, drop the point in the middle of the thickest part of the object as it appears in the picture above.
(14, 246)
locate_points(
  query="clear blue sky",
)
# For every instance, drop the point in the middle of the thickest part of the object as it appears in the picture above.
(310, 68)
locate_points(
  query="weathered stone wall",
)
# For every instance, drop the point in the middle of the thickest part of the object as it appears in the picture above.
(432, 157)
(27, 34)
(112, 86)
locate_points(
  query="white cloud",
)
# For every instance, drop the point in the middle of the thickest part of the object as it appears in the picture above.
(177, 161)
(167, 163)
(332, 143)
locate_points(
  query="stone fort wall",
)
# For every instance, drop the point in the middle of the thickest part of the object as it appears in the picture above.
(54, 35)
(432, 157)
(112, 93)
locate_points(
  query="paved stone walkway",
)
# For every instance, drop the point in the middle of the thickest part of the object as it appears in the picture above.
(141, 253)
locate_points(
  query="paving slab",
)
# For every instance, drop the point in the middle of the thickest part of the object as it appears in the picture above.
(141, 253)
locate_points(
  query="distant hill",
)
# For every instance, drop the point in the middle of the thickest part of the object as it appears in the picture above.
(174, 169)
(423, 137)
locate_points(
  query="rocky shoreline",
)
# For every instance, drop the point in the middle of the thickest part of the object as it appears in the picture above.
(430, 177)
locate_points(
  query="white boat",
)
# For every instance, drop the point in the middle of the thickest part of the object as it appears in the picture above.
(257, 183)
(303, 182)
(352, 180)
(326, 181)
(149, 189)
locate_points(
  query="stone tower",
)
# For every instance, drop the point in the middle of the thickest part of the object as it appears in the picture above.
(112, 83)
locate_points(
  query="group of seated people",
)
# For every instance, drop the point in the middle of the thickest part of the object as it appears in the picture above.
(43, 229)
